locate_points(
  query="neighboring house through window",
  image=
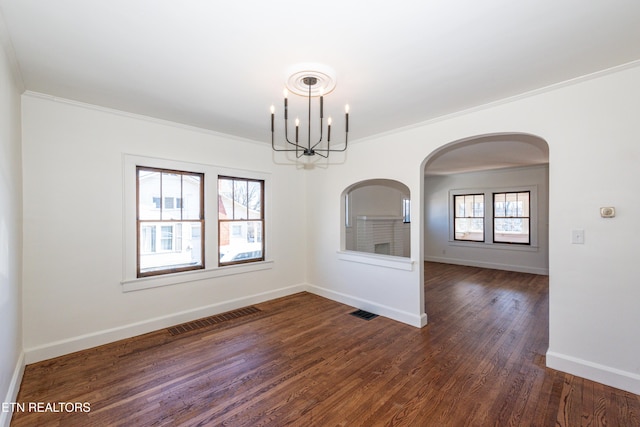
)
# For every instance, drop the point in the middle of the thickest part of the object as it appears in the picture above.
(170, 221)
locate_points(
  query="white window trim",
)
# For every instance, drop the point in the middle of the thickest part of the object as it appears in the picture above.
(488, 218)
(129, 280)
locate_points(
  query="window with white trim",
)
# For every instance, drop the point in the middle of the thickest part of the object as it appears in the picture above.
(149, 238)
(169, 220)
(240, 220)
(511, 218)
(468, 220)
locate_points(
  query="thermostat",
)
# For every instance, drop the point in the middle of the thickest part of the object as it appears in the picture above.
(607, 212)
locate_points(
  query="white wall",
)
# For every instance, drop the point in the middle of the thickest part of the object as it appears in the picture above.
(592, 129)
(11, 361)
(73, 172)
(439, 246)
(73, 226)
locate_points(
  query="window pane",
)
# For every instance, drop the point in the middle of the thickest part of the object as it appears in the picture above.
(166, 237)
(240, 198)
(255, 200)
(190, 201)
(469, 206)
(180, 246)
(149, 198)
(478, 206)
(511, 230)
(147, 239)
(469, 229)
(240, 241)
(177, 236)
(499, 204)
(171, 190)
(225, 198)
(459, 203)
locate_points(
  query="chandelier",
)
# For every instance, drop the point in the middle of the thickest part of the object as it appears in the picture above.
(308, 84)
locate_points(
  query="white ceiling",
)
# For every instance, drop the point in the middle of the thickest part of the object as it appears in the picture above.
(220, 65)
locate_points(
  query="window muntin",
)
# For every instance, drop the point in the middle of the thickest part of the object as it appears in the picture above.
(468, 222)
(240, 220)
(170, 221)
(511, 218)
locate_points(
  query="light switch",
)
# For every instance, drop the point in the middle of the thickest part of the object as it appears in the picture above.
(577, 237)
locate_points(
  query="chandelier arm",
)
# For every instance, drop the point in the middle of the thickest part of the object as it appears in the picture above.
(286, 131)
(273, 145)
(336, 150)
(298, 147)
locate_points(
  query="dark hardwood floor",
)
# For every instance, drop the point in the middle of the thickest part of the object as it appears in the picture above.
(304, 360)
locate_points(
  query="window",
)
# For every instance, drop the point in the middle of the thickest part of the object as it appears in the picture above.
(511, 221)
(240, 220)
(468, 222)
(347, 210)
(189, 245)
(170, 221)
(406, 210)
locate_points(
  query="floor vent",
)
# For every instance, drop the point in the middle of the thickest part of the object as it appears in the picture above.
(364, 314)
(212, 320)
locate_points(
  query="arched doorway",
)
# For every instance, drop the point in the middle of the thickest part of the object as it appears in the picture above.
(479, 173)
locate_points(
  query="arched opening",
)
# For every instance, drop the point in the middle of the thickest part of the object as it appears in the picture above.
(468, 183)
(376, 218)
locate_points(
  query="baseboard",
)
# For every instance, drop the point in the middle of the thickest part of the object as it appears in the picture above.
(14, 388)
(83, 342)
(491, 265)
(412, 319)
(606, 375)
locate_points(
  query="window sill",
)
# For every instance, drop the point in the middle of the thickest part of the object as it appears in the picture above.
(388, 261)
(138, 284)
(498, 246)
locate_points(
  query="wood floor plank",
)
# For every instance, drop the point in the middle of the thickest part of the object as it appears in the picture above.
(304, 360)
